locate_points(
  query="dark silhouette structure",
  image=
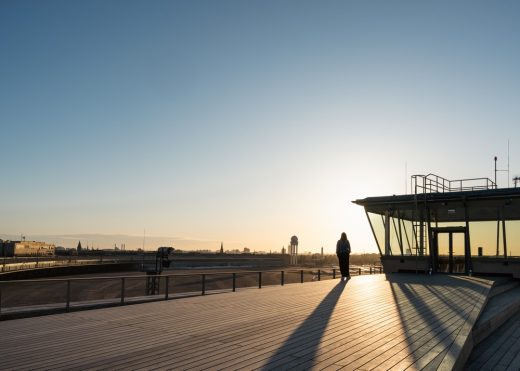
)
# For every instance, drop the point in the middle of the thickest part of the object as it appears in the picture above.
(439, 227)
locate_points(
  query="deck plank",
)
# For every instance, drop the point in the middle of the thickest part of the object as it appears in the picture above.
(371, 322)
(500, 350)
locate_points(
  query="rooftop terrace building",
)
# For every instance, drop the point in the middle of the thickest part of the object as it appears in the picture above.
(460, 226)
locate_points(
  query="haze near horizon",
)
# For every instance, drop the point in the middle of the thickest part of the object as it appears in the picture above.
(246, 122)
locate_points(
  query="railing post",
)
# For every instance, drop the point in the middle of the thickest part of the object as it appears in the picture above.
(68, 296)
(203, 284)
(319, 274)
(166, 284)
(333, 273)
(122, 290)
(380, 269)
(282, 278)
(370, 269)
(360, 271)
(234, 282)
(259, 280)
(301, 276)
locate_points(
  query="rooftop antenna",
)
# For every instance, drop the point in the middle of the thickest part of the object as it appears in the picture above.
(405, 178)
(508, 184)
(496, 170)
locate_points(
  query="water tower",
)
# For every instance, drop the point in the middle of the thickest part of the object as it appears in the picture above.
(293, 250)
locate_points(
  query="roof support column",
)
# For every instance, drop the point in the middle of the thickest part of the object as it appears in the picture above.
(504, 236)
(467, 243)
(498, 233)
(387, 234)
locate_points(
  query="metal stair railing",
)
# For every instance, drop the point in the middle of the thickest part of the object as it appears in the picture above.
(433, 183)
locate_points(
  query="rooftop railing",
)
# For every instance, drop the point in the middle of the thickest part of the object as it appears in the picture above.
(25, 298)
(432, 183)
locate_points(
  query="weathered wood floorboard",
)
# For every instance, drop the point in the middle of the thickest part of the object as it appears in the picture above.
(370, 322)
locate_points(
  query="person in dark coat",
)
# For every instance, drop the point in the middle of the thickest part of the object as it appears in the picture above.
(343, 253)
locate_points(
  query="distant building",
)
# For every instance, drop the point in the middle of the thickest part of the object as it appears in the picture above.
(222, 247)
(247, 250)
(26, 248)
(79, 248)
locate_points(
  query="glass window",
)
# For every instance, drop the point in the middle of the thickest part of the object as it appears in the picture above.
(378, 227)
(484, 235)
(408, 238)
(513, 237)
(395, 236)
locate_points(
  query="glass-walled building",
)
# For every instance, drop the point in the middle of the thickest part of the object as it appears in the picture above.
(462, 226)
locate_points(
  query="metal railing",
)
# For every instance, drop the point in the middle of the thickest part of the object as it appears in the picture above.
(35, 297)
(432, 183)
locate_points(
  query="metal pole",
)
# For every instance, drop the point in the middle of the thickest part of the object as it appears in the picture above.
(68, 295)
(504, 237)
(360, 271)
(495, 171)
(498, 234)
(334, 273)
(203, 284)
(319, 275)
(166, 287)
(123, 290)
(234, 282)
(301, 276)
(282, 278)
(259, 280)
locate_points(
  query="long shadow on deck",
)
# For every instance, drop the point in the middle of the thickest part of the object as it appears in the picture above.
(431, 317)
(303, 343)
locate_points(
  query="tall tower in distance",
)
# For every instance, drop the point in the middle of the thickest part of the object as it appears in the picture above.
(293, 250)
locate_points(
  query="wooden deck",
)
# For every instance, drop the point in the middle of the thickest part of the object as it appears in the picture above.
(371, 322)
(501, 351)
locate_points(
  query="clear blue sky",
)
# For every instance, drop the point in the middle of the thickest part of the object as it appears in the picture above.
(245, 121)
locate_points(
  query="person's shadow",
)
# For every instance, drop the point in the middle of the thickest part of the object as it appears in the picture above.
(301, 347)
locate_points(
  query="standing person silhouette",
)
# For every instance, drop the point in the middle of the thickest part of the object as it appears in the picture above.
(343, 253)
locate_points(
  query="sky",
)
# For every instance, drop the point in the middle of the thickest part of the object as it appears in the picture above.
(194, 122)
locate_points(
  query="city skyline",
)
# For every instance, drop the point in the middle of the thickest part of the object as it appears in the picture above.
(246, 122)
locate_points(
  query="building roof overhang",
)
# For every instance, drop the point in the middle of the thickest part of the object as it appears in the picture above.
(481, 205)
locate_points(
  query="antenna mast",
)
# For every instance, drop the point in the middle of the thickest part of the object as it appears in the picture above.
(508, 179)
(405, 178)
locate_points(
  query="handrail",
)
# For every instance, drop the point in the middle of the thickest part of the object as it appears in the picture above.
(432, 183)
(166, 292)
(223, 273)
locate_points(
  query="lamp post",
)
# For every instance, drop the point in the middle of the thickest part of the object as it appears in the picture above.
(496, 172)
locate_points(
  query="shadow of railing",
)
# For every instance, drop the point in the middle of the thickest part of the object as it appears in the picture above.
(432, 319)
(308, 335)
